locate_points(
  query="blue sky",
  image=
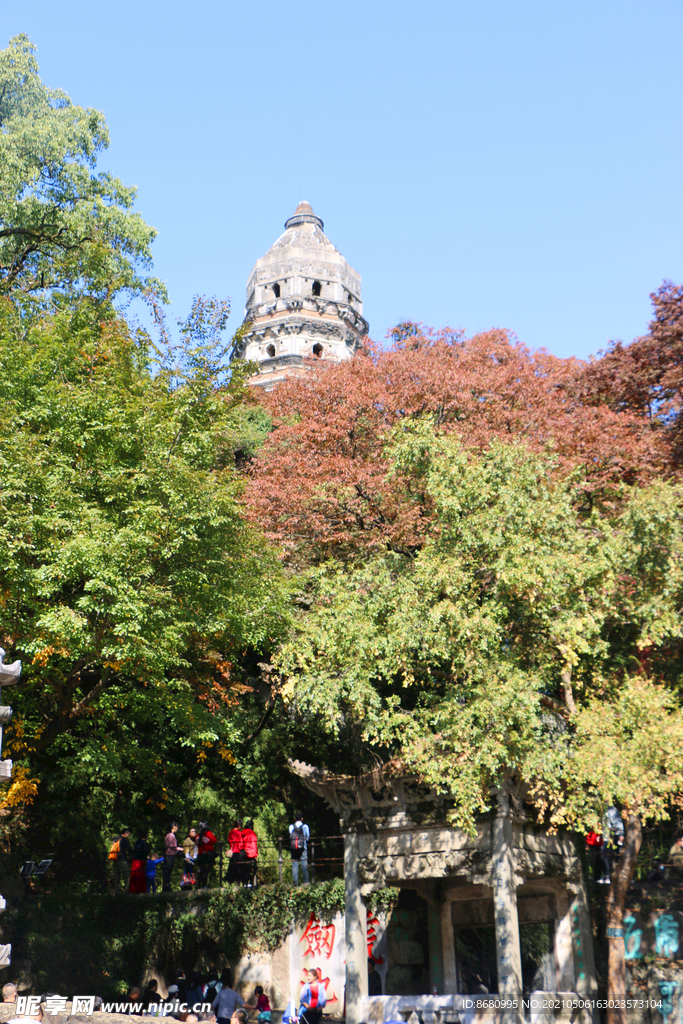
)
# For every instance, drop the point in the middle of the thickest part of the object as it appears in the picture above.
(482, 163)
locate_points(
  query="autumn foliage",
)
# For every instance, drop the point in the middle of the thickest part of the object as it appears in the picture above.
(645, 378)
(323, 478)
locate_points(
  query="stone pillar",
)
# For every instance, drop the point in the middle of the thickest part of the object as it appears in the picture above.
(582, 941)
(356, 944)
(450, 973)
(436, 965)
(564, 953)
(508, 956)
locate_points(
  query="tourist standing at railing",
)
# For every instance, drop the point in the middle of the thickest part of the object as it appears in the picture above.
(151, 872)
(119, 860)
(138, 877)
(237, 854)
(250, 847)
(171, 851)
(190, 850)
(299, 834)
(206, 844)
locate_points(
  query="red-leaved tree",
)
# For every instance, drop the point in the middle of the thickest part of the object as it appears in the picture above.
(645, 378)
(323, 483)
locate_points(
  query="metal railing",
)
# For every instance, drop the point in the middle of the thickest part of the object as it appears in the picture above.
(319, 851)
(325, 856)
(325, 861)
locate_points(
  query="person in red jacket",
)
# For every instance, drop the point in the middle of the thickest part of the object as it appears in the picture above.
(250, 847)
(206, 856)
(237, 854)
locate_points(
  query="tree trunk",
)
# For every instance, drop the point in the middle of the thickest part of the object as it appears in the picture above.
(622, 876)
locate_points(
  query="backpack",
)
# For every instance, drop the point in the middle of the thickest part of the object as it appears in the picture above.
(114, 849)
(297, 842)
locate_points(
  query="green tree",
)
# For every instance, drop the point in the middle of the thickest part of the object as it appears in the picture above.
(64, 229)
(137, 597)
(627, 750)
(131, 585)
(513, 640)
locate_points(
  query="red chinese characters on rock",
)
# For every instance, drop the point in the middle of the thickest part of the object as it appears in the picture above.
(319, 942)
(372, 923)
(319, 938)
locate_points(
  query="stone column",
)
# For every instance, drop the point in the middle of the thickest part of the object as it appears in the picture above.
(564, 954)
(356, 944)
(582, 940)
(508, 956)
(450, 973)
(436, 965)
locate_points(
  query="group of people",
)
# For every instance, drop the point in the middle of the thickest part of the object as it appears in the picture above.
(603, 845)
(607, 845)
(192, 998)
(134, 867)
(243, 853)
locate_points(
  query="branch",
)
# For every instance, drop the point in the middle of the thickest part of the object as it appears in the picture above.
(566, 677)
(553, 705)
(42, 235)
(89, 697)
(266, 669)
(264, 718)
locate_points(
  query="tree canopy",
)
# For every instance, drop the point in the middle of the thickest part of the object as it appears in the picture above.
(64, 229)
(646, 377)
(470, 656)
(130, 579)
(322, 483)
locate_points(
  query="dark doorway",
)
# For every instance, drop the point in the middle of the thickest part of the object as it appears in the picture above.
(475, 954)
(538, 957)
(408, 947)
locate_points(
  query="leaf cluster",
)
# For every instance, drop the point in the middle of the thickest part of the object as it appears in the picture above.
(131, 583)
(468, 658)
(64, 229)
(322, 483)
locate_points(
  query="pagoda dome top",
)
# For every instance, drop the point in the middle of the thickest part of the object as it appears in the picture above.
(304, 215)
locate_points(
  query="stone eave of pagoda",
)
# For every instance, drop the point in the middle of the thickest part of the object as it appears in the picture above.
(405, 831)
(388, 797)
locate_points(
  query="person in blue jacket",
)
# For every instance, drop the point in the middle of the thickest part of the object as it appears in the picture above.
(313, 997)
(151, 872)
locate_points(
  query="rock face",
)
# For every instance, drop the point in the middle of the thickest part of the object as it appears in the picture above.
(660, 984)
(303, 300)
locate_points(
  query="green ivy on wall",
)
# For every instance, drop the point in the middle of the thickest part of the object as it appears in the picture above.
(104, 945)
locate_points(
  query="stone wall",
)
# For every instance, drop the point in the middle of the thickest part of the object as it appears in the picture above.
(658, 982)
